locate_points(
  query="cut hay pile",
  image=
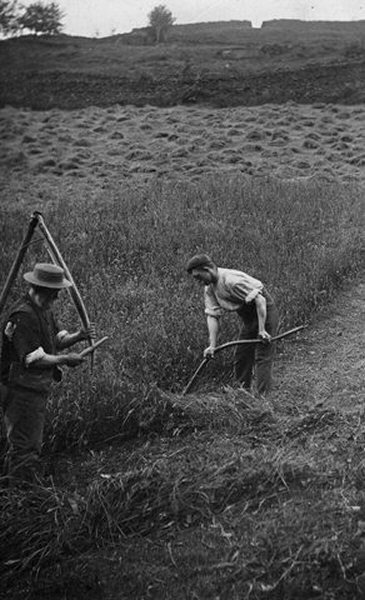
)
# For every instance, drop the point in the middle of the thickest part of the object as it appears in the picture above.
(232, 410)
(47, 536)
(42, 527)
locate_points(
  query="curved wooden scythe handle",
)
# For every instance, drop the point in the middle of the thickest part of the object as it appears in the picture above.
(238, 343)
(57, 258)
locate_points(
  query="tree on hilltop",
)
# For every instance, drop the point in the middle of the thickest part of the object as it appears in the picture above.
(160, 21)
(8, 16)
(42, 18)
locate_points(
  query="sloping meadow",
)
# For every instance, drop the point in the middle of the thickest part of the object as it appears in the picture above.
(127, 252)
(219, 494)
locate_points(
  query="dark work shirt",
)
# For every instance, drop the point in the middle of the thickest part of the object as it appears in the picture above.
(26, 328)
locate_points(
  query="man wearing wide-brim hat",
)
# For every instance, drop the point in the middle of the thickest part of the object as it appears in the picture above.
(31, 340)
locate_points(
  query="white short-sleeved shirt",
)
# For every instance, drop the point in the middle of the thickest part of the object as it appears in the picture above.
(230, 291)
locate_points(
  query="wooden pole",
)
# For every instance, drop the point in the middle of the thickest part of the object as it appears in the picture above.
(57, 258)
(18, 260)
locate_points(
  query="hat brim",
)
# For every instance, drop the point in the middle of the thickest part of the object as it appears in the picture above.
(30, 278)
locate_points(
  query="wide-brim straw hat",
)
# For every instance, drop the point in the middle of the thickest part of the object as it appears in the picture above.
(48, 276)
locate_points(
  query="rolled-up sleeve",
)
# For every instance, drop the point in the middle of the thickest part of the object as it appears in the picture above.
(34, 356)
(212, 307)
(244, 292)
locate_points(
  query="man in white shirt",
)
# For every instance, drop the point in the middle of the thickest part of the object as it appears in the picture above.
(236, 291)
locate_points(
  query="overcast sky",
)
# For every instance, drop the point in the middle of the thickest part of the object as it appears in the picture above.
(106, 17)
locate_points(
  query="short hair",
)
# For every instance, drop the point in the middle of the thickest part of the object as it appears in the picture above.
(199, 261)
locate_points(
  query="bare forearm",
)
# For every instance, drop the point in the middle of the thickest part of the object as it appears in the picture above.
(40, 358)
(66, 339)
(261, 312)
(51, 360)
(69, 339)
(213, 330)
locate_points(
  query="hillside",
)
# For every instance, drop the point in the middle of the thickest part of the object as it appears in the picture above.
(149, 493)
(216, 64)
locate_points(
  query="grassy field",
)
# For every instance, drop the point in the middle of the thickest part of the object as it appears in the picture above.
(129, 249)
(218, 459)
(217, 494)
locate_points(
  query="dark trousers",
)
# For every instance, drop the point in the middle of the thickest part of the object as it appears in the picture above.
(260, 356)
(24, 417)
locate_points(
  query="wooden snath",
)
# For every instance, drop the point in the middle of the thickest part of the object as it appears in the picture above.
(237, 343)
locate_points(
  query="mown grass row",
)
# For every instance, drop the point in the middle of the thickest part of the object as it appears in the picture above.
(127, 251)
(207, 514)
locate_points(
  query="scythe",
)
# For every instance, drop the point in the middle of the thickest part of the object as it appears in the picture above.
(57, 259)
(236, 343)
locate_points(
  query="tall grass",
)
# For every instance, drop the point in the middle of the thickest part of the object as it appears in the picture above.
(128, 252)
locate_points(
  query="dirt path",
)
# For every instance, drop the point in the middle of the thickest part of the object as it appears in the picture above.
(326, 365)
